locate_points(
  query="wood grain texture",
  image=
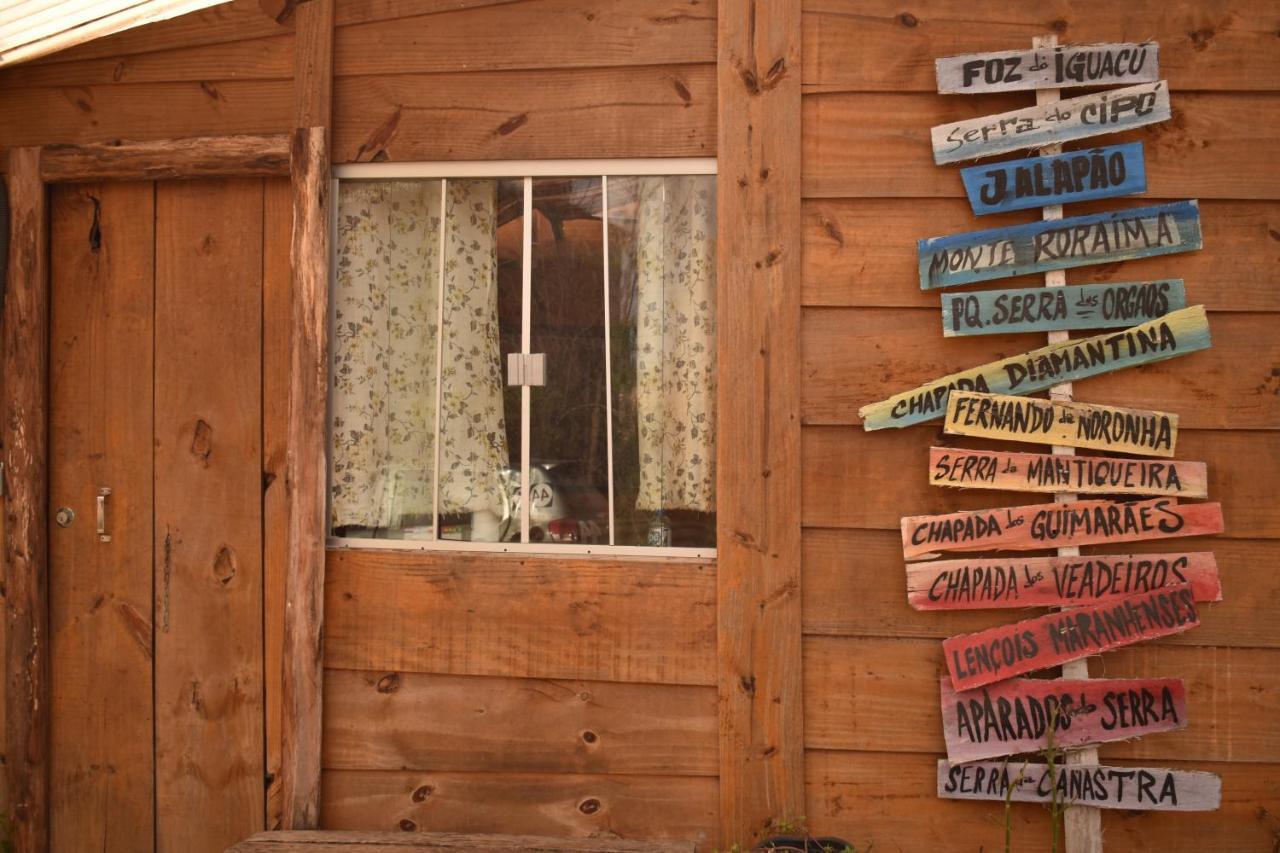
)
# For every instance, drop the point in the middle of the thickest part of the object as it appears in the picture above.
(1032, 309)
(208, 550)
(630, 807)
(305, 478)
(881, 694)
(26, 556)
(877, 145)
(551, 34)
(192, 157)
(100, 593)
(313, 64)
(862, 252)
(873, 45)
(1045, 472)
(882, 798)
(1138, 789)
(758, 419)
(663, 111)
(1048, 67)
(507, 615)
(1106, 172)
(363, 11)
(347, 841)
(396, 721)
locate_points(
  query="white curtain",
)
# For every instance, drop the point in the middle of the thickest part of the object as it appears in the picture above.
(676, 348)
(385, 338)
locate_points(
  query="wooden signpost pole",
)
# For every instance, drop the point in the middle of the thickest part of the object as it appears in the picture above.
(1083, 824)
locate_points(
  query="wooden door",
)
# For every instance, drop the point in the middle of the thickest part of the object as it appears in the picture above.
(157, 633)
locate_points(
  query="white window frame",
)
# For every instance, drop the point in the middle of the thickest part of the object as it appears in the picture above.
(513, 170)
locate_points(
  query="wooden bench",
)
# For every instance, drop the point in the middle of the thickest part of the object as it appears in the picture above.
(418, 842)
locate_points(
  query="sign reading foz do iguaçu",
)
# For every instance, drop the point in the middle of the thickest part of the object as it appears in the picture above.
(1111, 428)
(1048, 68)
(1055, 244)
(1054, 309)
(1046, 472)
(1044, 526)
(1035, 127)
(1176, 333)
(985, 583)
(1108, 172)
(1015, 715)
(1131, 788)
(1057, 638)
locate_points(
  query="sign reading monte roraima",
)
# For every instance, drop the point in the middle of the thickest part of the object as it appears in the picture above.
(1177, 333)
(1046, 68)
(1054, 244)
(1116, 170)
(1110, 428)
(1056, 309)
(1014, 715)
(1130, 788)
(1033, 644)
(1048, 472)
(1063, 121)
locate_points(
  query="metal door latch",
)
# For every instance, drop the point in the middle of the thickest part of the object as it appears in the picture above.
(65, 516)
(526, 368)
(103, 493)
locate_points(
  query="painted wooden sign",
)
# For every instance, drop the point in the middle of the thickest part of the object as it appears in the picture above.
(1013, 716)
(1043, 526)
(1054, 309)
(1111, 111)
(1054, 244)
(1131, 788)
(1117, 170)
(983, 584)
(1047, 472)
(1177, 333)
(1048, 68)
(1057, 638)
(1112, 428)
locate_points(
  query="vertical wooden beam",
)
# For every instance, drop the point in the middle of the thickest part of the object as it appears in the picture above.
(305, 481)
(313, 63)
(26, 413)
(758, 421)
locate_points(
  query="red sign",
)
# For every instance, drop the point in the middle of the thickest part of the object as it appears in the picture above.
(1013, 716)
(1008, 650)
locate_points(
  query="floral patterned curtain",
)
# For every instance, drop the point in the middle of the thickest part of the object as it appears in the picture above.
(385, 339)
(676, 352)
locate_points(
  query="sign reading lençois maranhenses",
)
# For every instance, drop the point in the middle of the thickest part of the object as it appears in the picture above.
(1046, 68)
(1056, 179)
(1098, 238)
(1056, 309)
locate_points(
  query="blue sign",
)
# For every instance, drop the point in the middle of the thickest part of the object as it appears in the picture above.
(1074, 176)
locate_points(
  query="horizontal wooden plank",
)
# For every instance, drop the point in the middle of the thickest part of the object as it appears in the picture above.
(874, 45)
(547, 34)
(192, 157)
(863, 252)
(479, 614)
(966, 468)
(1059, 309)
(882, 694)
(144, 111)
(839, 463)
(1059, 66)
(408, 721)
(398, 841)
(1096, 173)
(363, 11)
(268, 58)
(889, 800)
(877, 145)
(853, 358)
(854, 585)
(634, 807)
(1114, 787)
(607, 112)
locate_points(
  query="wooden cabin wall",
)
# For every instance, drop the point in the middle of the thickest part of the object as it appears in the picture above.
(870, 187)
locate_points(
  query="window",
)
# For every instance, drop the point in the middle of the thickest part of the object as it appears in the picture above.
(524, 363)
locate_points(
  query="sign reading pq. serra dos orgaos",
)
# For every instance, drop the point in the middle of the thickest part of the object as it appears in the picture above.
(988, 711)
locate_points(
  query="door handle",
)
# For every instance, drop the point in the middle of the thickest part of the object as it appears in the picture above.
(103, 493)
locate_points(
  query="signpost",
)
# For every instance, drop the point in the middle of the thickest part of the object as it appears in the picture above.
(998, 653)
(1062, 121)
(1047, 472)
(1099, 238)
(1111, 428)
(1130, 788)
(981, 584)
(1040, 309)
(1070, 65)
(1040, 526)
(1013, 716)
(1116, 170)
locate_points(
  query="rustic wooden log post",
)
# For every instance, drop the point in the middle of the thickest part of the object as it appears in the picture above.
(305, 477)
(758, 419)
(26, 414)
